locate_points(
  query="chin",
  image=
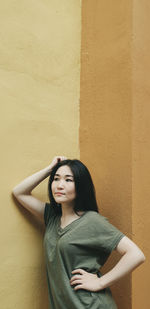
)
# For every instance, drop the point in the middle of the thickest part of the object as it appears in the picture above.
(59, 200)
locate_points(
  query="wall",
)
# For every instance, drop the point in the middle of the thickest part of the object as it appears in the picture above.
(39, 93)
(106, 116)
(141, 149)
(115, 126)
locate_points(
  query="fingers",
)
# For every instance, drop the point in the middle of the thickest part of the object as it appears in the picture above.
(76, 282)
(79, 286)
(56, 160)
(79, 270)
(75, 279)
(84, 280)
(60, 158)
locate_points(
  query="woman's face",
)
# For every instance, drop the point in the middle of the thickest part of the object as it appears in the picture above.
(63, 185)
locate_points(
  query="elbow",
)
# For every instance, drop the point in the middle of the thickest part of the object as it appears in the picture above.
(14, 193)
(140, 257)
(143, 258)
(137, 256)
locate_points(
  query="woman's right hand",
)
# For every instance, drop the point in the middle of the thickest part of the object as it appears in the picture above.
(56, 160)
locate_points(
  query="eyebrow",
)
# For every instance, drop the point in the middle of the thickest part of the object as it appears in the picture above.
(65, 175)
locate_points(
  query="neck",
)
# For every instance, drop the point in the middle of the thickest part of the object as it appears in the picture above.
(67, 210)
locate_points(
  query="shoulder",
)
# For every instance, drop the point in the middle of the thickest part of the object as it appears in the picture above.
(106, 233)
(96, 216)
(99, 222)
(95, 219)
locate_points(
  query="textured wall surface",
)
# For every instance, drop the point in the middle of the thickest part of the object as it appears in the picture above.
(39, 94)
(106, 114)
(141, 150)
(115, 126)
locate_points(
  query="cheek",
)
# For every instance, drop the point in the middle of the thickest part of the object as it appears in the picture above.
(73, 191)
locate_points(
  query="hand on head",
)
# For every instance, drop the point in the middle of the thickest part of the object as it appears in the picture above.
(57, 159)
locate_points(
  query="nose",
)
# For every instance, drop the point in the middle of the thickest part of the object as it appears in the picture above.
(60, 184)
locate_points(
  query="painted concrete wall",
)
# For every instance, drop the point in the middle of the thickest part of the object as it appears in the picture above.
(106, 116)
(141, 149)
(39, 94)
(115, 126)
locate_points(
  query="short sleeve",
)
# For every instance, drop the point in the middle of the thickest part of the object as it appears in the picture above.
(48, 213)
(107, 236)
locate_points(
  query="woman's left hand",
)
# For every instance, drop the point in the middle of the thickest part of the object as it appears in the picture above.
(85, 280)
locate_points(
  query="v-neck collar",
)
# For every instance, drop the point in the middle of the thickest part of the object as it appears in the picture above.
(69, 225)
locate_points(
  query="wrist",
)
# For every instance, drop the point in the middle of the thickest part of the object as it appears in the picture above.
(101, 285)
(48, 169)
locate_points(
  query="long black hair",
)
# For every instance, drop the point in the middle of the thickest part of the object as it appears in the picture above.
(85, 191)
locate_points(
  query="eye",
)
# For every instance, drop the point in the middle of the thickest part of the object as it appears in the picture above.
(69, 179)
(56, 178)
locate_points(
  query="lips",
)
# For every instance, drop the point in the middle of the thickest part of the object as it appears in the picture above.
(59, 193)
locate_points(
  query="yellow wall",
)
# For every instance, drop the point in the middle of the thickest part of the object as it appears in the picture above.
(106, 114)
(115, 126)
(141, 149)
(39, 93)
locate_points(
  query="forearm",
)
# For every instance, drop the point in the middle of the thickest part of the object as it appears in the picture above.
(128, 262)
(29, 183)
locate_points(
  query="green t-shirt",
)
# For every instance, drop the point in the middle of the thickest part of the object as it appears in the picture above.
(84, 243)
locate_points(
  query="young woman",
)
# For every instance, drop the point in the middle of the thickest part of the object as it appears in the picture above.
(78, 239)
